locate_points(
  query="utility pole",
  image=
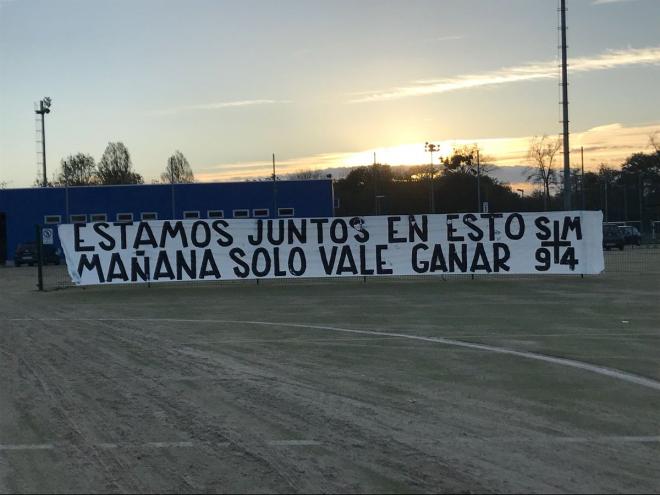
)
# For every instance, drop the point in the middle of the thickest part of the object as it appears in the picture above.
(478, 183)
(564, 83)
(375, 188)
(44, 108)
(430, 147)
(275, 213)
(584, 200)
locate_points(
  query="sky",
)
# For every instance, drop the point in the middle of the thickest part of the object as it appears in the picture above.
(320, 83)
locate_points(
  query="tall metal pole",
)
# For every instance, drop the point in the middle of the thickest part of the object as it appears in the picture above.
(375, 187)
(171, 165)
(640, 193)
(478, 183)
(564, 79)
(584, 199)
(275, 213)
(43, 143)
(432, 185)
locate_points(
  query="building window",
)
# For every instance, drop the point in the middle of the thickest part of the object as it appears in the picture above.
(215, 214)
(98, 217)
(124, 217)
(260, 213)
(285, 212)
(78, 218)
(241, 213)
(51, 219)
(149, 215)
(190, 214)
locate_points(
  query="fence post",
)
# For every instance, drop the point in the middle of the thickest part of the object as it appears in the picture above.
(40, 258)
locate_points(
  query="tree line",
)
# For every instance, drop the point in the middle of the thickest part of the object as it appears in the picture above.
(629, 192)
(115, 167)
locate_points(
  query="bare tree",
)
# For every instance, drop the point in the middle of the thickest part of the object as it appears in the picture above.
(77, 170)
(542, 153)
(178, 170)
(115, 166)
(654, 141)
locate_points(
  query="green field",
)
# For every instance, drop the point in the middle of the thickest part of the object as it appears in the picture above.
(336, 386)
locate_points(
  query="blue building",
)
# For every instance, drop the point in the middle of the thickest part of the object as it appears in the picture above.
(22, 209)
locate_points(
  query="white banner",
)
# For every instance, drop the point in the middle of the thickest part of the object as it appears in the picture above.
(186, 250)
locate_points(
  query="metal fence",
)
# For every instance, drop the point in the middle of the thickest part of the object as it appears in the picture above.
(633, 260)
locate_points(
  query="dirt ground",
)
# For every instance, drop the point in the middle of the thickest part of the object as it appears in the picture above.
(332, 387)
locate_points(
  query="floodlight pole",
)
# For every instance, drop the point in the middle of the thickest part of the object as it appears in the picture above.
(430, 147)
(564, 84)
(43, 111)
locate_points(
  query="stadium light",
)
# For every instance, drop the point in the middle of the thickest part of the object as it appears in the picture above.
(44, 108)
(431, 148)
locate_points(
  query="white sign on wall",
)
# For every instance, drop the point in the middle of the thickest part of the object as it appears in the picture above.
(471, 243)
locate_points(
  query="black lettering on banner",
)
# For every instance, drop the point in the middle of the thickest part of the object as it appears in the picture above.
(163, 267)
(139, 271)
(572, 224)
(144, 227)
(476, 233)
(542, 225)
(116, 263)
(300, 234)
(277, 271)
(491, 223)
(182, 265)
(242, 269)
(206, 240)
(99, 228)
(85, 264)
(362, 234)
(122, 232)
(417, 265)
(258, 239)
(380, 262)
(298, 253)
(480, 259)
(458, 260)
(415, 230)
(508, 228)
(273, 239)
(543, 257)
(342, 236)
(363, 261)
(209, 267)
(563, 253)
(173, 232)
(438, 262)
(328, 264)
(451, 230)
(392, 231)
(346, 263)
(501, 255)
(78, 242)
(261, 252)
(319, 222)
(225, 238)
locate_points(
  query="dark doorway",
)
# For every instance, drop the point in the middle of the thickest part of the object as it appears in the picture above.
(3, 239)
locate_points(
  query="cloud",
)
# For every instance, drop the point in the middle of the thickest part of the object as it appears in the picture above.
(217, 106)
(528, 72)
(610, 144)
(602, 2)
